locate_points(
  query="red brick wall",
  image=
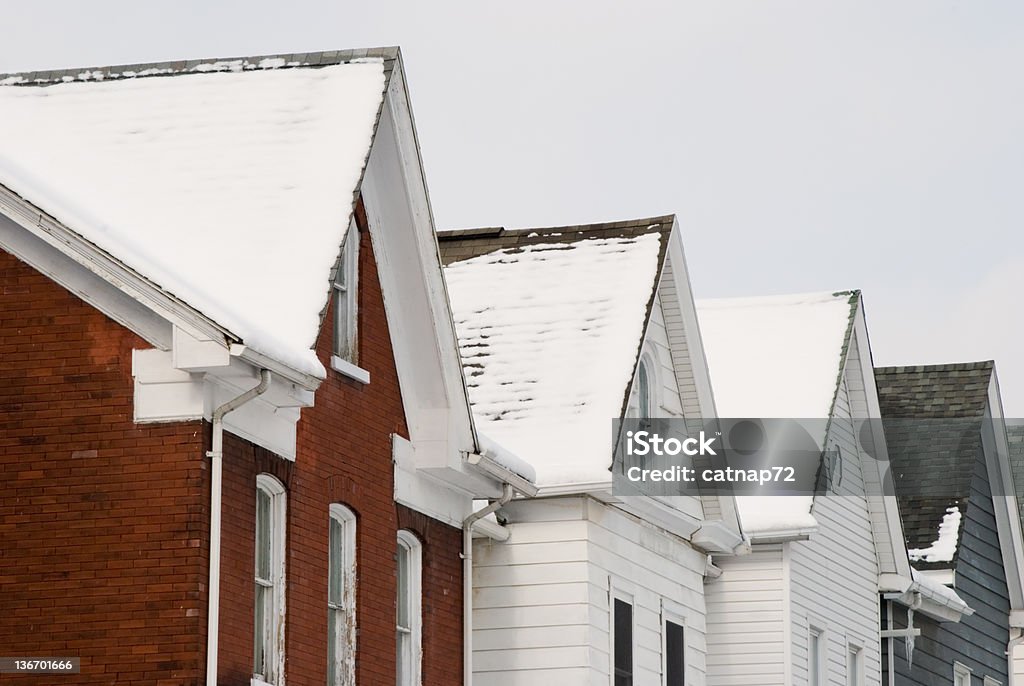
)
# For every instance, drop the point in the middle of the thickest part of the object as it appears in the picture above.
(103, 522)
(344, 455)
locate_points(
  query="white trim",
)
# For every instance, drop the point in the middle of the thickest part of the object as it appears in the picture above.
(675, 613)
(990, 681)
(412, 544)
(819, 630)
(278, 503)
(345, 674)
(856, 648)
(624, 591)
(961, 670)
(343, 366)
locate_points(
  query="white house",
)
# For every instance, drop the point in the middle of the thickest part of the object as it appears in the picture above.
(561, 330)
(803, 608)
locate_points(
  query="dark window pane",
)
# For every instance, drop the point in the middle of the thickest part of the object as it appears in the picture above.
(675, 651)
(623, 643)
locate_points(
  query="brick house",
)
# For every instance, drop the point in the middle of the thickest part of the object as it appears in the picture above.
(223, 327)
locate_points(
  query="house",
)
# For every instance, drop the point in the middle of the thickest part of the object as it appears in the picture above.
(950, 462)
(236, 442)
(803, 607)
(561, 331)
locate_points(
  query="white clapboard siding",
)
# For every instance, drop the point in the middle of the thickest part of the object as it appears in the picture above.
(541, 599)
(745, 620)
(834, 575)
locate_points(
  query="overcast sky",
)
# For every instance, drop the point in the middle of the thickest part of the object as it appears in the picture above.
(805, 146)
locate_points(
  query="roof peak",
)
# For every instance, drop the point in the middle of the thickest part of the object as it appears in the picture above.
(198, 66)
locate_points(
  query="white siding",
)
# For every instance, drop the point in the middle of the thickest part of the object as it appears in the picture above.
(746, 610)
(541, 599)
(834, 575)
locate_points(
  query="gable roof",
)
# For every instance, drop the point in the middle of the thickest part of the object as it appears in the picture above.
(227, 184)
(777, 357)
(550, 322)
(933, 463)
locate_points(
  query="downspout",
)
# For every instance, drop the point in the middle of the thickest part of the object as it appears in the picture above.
(1014, 642)
(216, 484)
(467, 580)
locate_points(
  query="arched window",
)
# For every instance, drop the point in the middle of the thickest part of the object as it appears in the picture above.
(341, 597)
(643, 390)
(268, 649)
(408, 621)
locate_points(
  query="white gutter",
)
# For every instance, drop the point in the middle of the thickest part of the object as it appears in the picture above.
(467, 580)
(216, 485)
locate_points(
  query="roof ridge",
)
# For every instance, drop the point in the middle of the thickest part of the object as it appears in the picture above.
(197, 66)
(945, 367)
(448, 234)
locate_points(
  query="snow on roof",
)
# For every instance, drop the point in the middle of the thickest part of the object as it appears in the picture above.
(549, 334)
(231, 190)
(775, 357)
(944, 547)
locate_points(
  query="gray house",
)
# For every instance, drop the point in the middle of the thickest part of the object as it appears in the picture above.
(949, 458)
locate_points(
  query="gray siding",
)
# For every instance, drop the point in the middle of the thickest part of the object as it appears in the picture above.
(978, 641)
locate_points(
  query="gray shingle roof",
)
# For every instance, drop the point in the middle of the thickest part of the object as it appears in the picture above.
(932, 461)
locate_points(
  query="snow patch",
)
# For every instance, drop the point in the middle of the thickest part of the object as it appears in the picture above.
(937, 589)
(944, 547)
(230, 190)
(506, 458)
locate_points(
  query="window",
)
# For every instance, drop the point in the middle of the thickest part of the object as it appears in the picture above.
(268, 639)
(854, 665)
(345, 301)
(675, 653)
(815, 657)
(989, 681)
(408, 619)
(622, 631)
(961, 675)
(341, 598)
(643, 384)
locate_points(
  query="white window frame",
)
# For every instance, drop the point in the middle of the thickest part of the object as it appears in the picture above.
(821, 678)
(274, 626)
(961, 674)
(341, 671)
(672, 612)
(346, 300)
(854, 663)
(412, 544)
(619, 590)
(992, 681)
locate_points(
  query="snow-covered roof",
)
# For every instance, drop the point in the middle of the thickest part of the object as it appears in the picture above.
(550, 323)
(775, 357)
(227, 184)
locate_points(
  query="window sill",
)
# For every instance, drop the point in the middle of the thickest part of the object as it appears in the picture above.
(343, 366)
(256, 681)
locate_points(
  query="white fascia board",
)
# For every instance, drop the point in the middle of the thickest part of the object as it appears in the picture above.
(85, 283)
(894, 522)
(1005, 506)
